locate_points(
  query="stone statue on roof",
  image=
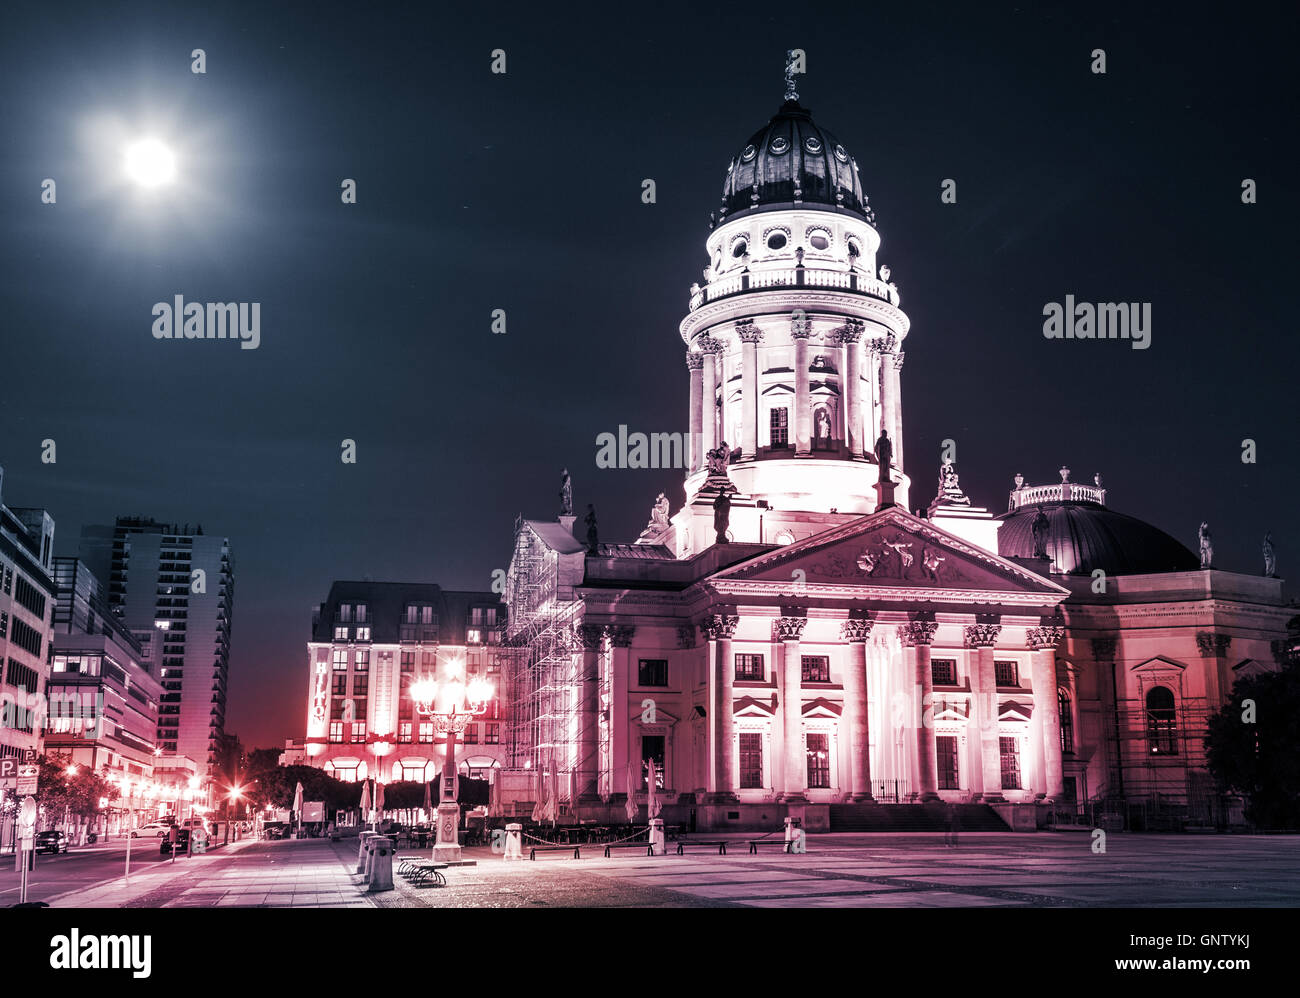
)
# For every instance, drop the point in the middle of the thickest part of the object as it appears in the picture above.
(721, 515)
(1040, 527)
(950, 493)
(566, 493)
(884, 454)
(1270, 557)
(593, 539)
(717, 460)
(1206, 545)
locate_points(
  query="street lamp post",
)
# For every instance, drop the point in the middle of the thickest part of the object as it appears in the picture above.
(451, 705)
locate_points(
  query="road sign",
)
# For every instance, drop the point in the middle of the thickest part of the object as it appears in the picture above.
(28, 777)
(27, 813)
(8, 771)
(29, 755)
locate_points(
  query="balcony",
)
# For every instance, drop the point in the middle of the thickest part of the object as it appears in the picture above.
(793, 277)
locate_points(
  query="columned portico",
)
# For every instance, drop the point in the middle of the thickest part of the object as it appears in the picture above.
(856, 632)
(695, 364)
(896, 417)
(1043, 641)
(916, 636)
(851, 337)
(800, 330)
(982, 638)
(720, 629)
(620, 638)
(786, 633)
(592, 639)
(750, 336)
(709, 398)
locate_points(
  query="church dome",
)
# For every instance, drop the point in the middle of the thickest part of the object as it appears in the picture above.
(1083, 536)
(792, 159)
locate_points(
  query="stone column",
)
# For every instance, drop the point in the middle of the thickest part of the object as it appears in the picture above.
(916, 636)
(883, 348)
(695, 364)
(858, 742)
(1043, 641)
(709, 400)
(896, 427)
(750, 336)
(620, 637)
(800, 330)
(591, 638)
(721, 628)
(787, 631)
(984, 693)
(850, 337)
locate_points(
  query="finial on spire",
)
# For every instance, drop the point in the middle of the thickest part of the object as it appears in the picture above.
(790, 61)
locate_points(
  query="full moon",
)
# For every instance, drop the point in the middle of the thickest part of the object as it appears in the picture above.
(150, 163)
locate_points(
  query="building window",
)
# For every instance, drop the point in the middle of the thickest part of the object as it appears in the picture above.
(426, 732)
(358, 731)
(362, 663)
(474, 636)
(471, 734)
(945, 748)
(362, 609)
(751, 760)
(403, 731)
(1067, 721)
(4, 625)
(336, 731)
(750, 667)
(340, 634)
(363, 633)
(818, 748)
(490, 616)
(359, 683)
(652, 672)
(340, 659)
(1161, 721)
(408, 661)
(816, 669)
(652, 747)
(780, 426)
(1009, 748)
(427, 615)
(493, 734)
(345, 612)
(1006, 674)
(476, 616)
(943, 671)
(341, 685)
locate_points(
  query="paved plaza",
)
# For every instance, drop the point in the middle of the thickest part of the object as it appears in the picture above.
(838, 871)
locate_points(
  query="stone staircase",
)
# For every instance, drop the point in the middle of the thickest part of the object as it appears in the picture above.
(932, 817)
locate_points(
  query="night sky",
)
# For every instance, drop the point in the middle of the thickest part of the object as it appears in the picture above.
(523, 192)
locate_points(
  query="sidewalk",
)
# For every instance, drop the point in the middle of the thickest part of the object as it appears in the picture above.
(120, 892)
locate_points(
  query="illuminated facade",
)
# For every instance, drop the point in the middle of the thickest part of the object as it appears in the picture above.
(807, 646)
(370, 642)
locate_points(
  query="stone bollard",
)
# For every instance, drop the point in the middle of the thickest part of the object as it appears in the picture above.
(361, 851)
(514, 841)
(379, 871)
(657, 845)
(794, 840)
(372, 847)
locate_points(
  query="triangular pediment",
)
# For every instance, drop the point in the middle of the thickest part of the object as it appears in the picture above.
(888, 554)
(1014, 711)
(1159, 664)
(752, 707)
(1252, 667)
(821, 707)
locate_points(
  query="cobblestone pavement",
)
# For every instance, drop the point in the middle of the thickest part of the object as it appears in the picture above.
(838, 871)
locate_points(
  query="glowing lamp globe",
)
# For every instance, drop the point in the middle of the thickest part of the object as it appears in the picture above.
(150, 163)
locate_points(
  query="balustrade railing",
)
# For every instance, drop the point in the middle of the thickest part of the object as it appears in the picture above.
(794, 277)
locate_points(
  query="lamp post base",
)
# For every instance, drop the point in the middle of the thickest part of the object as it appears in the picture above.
(446, 848)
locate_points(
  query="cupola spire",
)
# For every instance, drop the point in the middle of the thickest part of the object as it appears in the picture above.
(790, 92)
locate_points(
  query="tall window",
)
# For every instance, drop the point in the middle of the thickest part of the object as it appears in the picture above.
(408, 661)
(359, 682)
(336, 731)
(471, 734)
(361, 613)
(340, 659)
(652, 747)
(1009, 748)
(780, 426)
(943, 671)
(404, 731)
(341, 685)
(363, 633)
(815, 669)
(652, 672)
(751, 760)
(340, 634)
(750, 667)
(362, 663)
(1067, 720)
(426, 732)
(345, 612)
(1161, 721)
(426, 614)
(358, 731)
(412, 613)
(1006, 674)
(492, 736)
(945, 747)
(818, 747)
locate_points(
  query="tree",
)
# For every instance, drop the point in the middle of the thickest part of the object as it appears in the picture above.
(76, 794)
(1253, 744)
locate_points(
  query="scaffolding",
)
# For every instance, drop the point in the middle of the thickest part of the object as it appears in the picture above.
(548, 693)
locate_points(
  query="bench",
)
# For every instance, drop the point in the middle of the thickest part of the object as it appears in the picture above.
(423, 873)
(755, 843)
(649, 849)
(534, 850)
(720, 843)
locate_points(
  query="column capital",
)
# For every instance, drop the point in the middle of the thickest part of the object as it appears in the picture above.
(748, 332)
(917, 632)
(800, 326)
(851, 332)
(856, 631)
(1045, 637)
(720, 625)
(694, 361)
(982, 635)
(1103, 649)
(788, 628)
(710, 344)
(686, 636)
(590, 636)
(898, 360)
(1209, 644)
(885, 344)
(620, 635)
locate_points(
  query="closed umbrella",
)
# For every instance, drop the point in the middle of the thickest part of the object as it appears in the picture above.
(364, 806)
(653, 806)
(539, 806)
(495, 809)
(631, 793)
(553, 798)
(297, 806)
(428, 799)
(379, 800)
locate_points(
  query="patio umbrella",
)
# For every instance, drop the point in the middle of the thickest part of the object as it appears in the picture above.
(379, 799)
(364, 806)
(539, 806)
(653, 806)
(553, 801)
(297, 805)
(631, 793)
(428, 798)
(495, 810)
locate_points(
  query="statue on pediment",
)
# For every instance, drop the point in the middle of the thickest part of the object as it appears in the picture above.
(566, 493)
(950, 493)
(1040, 527)
(1270, 557)
(931, 561)
(721, 515)
(884, 455)
(717, 459)
(1206, 545)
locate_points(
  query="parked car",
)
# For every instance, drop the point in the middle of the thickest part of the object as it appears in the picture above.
(200, 824)
(275, 830)
(182, 843)
(158, 828)
(53, 842)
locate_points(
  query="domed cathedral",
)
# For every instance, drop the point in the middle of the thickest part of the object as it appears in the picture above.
(792, 642)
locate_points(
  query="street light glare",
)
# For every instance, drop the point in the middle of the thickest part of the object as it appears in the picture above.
(150, 163)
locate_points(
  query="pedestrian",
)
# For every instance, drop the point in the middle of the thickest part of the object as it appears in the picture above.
(954, 824)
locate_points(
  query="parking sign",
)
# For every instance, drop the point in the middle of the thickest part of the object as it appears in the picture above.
(27, 779)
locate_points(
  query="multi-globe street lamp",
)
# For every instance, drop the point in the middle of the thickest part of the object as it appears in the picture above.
(450, 705)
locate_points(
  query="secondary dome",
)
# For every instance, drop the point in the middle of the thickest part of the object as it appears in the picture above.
(792, 159)
(1085, 536)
